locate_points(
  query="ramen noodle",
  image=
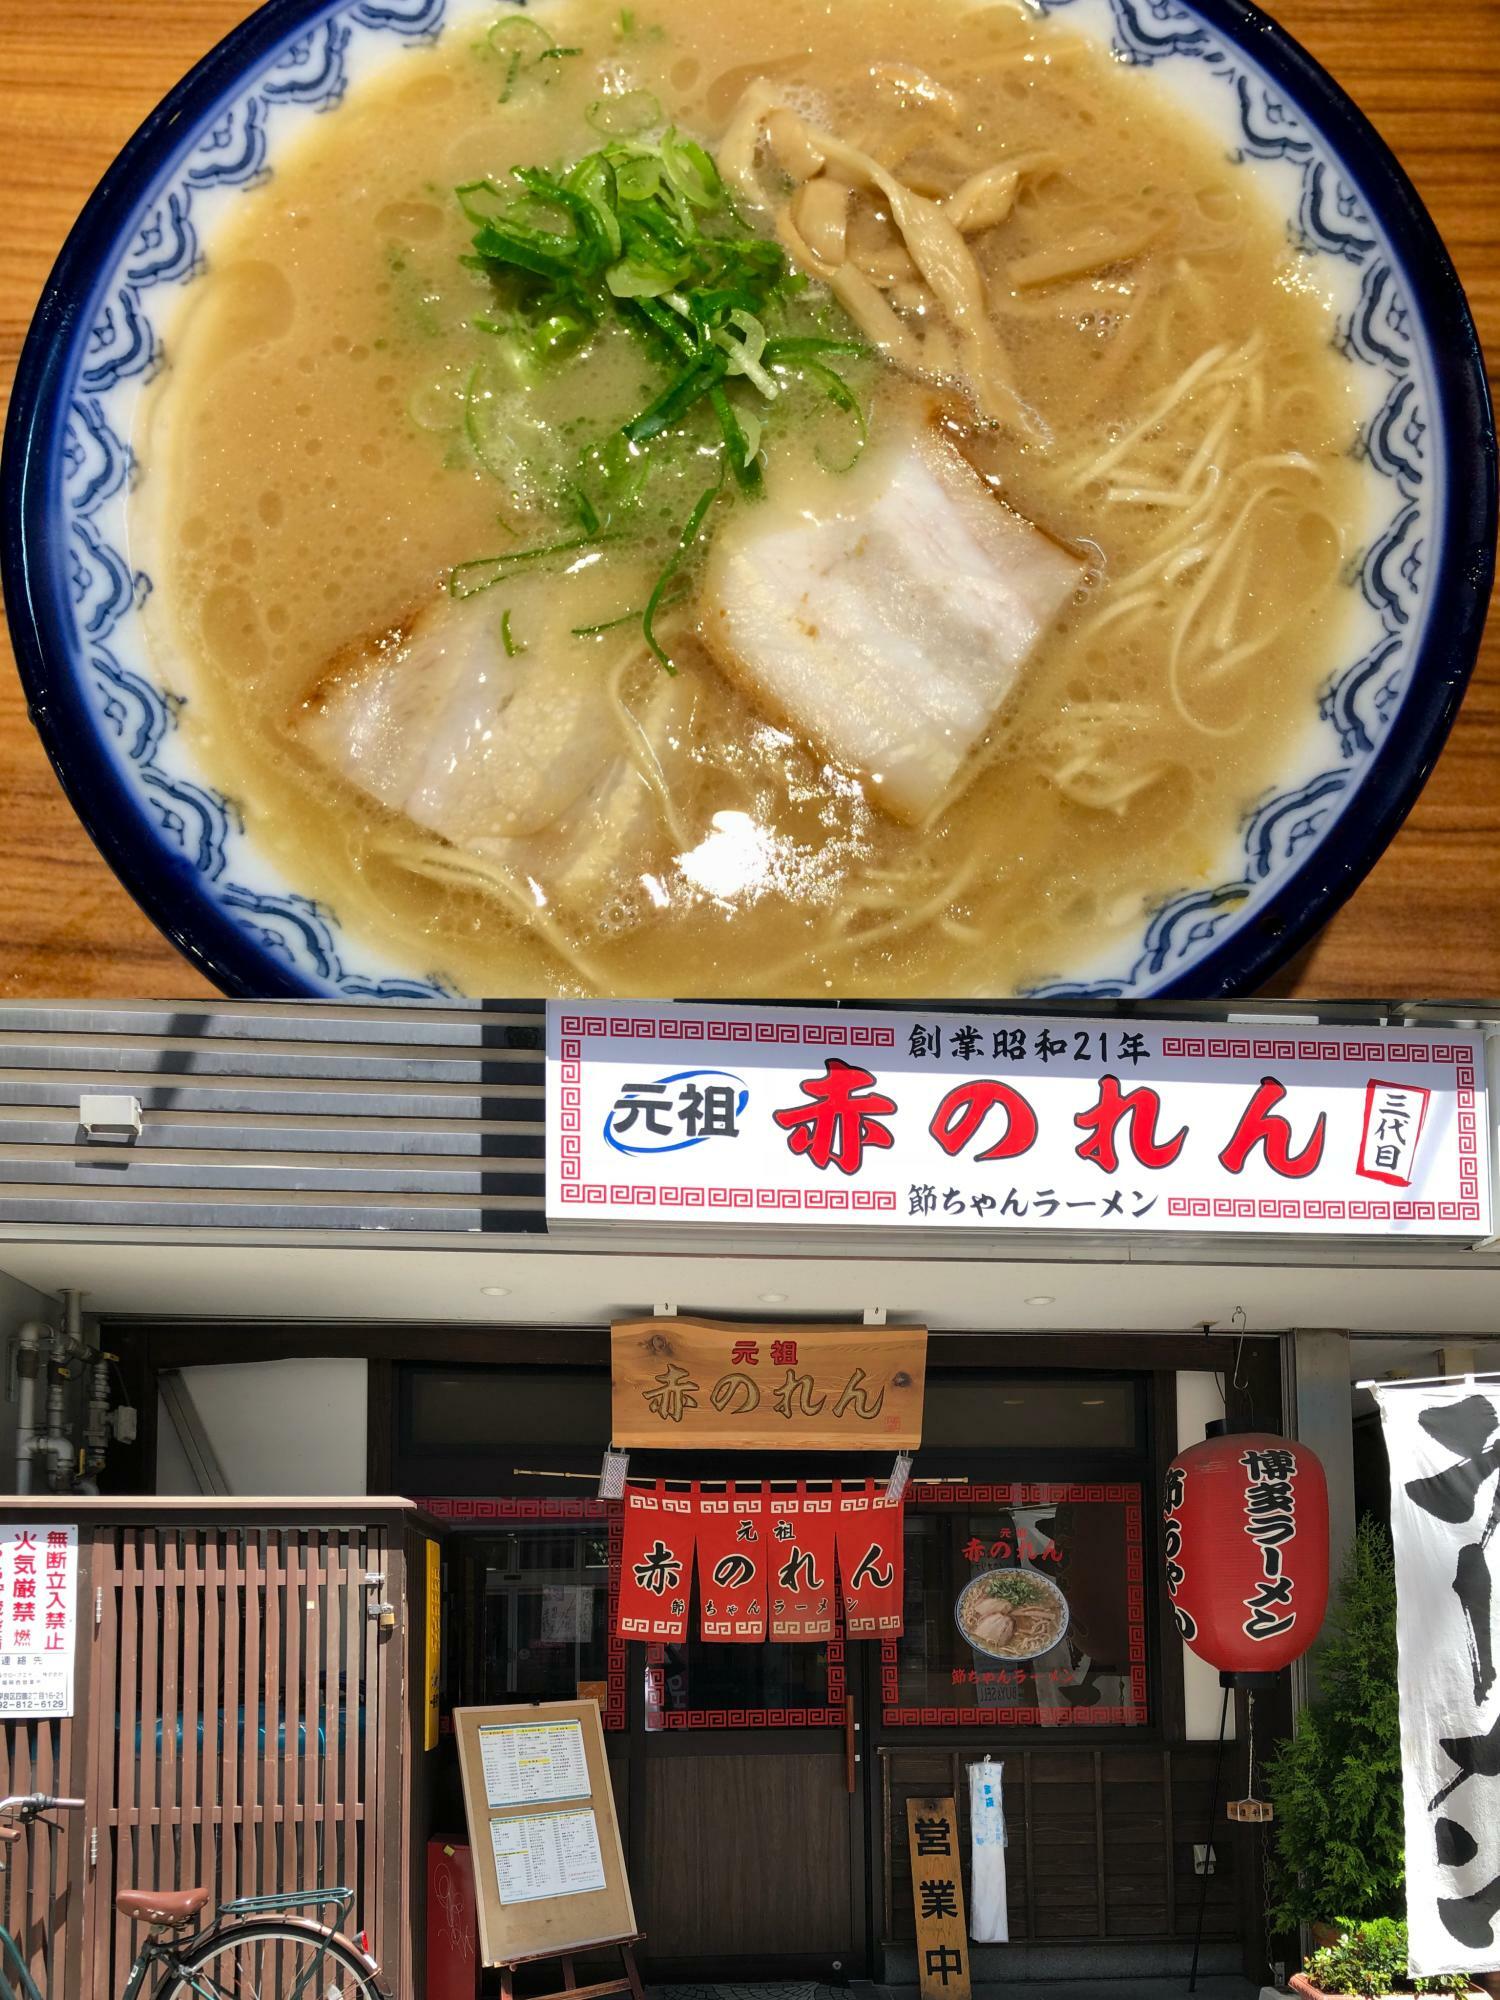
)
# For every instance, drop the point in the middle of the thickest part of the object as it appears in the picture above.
(751, 501)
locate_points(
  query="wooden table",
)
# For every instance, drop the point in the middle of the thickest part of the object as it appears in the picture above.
(77, 76)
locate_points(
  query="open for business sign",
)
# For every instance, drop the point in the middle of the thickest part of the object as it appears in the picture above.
(945, 1121)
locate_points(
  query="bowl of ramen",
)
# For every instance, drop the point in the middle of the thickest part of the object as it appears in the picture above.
(920, 496)
(1011, 1614)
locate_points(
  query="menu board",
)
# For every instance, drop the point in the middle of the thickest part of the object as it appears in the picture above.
(526, 1763)
(547, 1854)
(548, 1865)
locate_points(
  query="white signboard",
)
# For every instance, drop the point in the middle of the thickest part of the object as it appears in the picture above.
(526, 1763)
(1443, 1439)
(547, 1854)
(38, 1620)
(982, 1122)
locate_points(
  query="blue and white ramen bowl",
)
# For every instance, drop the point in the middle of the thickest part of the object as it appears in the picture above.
(75, 590)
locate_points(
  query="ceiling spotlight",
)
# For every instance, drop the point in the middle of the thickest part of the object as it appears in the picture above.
(494, 1291)
(1038, 1299)
(773, 1298)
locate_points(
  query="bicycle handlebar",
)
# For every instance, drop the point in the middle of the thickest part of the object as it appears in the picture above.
(29, 1806)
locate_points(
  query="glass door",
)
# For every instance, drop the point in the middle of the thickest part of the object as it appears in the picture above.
(539, 1599)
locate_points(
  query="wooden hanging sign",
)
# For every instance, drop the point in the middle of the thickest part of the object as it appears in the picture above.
(549, 1871)
(937, 1888)
(694, 1384)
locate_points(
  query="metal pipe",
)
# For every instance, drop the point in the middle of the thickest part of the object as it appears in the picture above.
(31, 1339)
(56, 1442)
(96, 1434)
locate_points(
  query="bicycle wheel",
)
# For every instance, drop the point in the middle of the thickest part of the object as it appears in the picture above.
(268, 1959)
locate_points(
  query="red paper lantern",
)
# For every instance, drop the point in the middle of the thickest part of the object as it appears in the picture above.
(1247, 1550)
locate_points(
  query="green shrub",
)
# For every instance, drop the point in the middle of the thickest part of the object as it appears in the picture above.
(1370, 1959)
(1336, 1786)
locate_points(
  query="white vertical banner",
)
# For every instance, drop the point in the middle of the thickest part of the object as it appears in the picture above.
(989, 1912)
(38, 1620)
(1443, 1440)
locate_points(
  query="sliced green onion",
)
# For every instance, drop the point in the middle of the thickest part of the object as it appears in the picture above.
(630, 279)
(512, 645)
(674, 402)
(606, 625)
(520, 43)
(638, 177)
(685, 541)
(837, 390)
(737, 445)
(588, 513)
(519, 31)
(623, 116)
(744, 353)
(690, 170)
(465, 581)
(473, 430)
(482, 202)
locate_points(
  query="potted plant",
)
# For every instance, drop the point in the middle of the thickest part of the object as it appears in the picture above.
(1365, 1961)
(1338, 1841)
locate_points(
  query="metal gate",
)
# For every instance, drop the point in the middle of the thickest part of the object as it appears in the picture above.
(241, 1723)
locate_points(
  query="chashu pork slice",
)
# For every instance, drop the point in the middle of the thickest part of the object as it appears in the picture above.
(887, 625)
(517, 759)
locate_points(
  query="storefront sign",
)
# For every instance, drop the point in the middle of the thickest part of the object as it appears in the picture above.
(771, 1560)
(811, 1116)
(938, 1898)
(1443, 1441)
(38, 1620)
(680, 1384)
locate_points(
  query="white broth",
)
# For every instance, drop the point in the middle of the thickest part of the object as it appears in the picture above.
(886, 551)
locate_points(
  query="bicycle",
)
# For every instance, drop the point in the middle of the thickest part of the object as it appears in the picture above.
(261, 1952)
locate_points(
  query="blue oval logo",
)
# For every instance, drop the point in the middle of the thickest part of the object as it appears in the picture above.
(667, 1114)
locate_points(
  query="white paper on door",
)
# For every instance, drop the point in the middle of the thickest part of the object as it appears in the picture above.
(538, 1855)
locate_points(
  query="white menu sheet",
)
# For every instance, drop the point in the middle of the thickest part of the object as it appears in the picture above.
(547, 1854)
(531, 1763)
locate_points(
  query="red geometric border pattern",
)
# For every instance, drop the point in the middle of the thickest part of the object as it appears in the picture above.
(1284, 1210)
(595, 1193)
(706, 1028)
(1128, 1495)
(466, 1511)
(810, 1717)
(1285, 1049)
